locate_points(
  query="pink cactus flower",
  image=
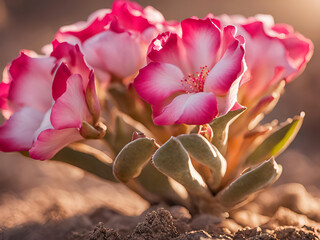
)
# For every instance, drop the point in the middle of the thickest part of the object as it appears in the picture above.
(273, 52)
(115, 41)
(45, 101)
(193, 78)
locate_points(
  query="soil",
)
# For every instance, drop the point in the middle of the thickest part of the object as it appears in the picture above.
(48, 200)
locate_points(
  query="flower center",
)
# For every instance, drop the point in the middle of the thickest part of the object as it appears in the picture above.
(195, 82)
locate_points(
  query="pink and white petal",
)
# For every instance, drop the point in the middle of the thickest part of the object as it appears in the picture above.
(237, 106)
(228, 38)
(6, 78)
(195, 108)
(157, 81)
(153, 15)
(299, 50)
(70, 109)
(16, 134)
(4, 92)
(45, 124)
(229, 69)
(60, 78)
(201, 39)
(131, 15)
(72, 56)
(51, 141)
(31, 82)
(83, 30)
(167, 48)
(229, 101)
(119, 53)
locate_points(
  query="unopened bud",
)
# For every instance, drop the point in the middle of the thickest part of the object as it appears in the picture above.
(89, 132)
(137, 135)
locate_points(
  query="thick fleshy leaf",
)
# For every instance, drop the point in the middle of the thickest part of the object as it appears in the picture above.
(220, 128)
(172, 160)
(205, 153)
(87, 162)
(157, 81)
(50, 141)
(163, 186)
(201, 38)
(31, 82)
(70, 109)
(123, 129)
(277, 142)
(118, 53)
(133, 158)
(250, 182)
(16, 134)
(193, 108)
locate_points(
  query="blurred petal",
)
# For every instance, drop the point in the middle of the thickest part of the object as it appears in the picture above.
(31, 82)
(16, 134)
(118, 53)
(50, 141)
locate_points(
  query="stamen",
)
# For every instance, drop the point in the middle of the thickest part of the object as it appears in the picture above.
(195, 82)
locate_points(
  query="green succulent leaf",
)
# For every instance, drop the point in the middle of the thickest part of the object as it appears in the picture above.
(204, 152)
(220, 128)
(161, 185)
(250, 182)
(277, 142)
(125, 126)
(173, 160)
(132, 158)
(95, 162)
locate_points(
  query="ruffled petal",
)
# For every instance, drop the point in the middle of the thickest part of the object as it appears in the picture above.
(195, 109)
(300, 50)
(50, 141)
(118, 53)
(16, 134)
(157, 81)
(132, 16)
(167, 48)
(70, 109)
(83, 30)
(31, 82)
(74, 59)
(59, 84)
(201, 39)
(228, 70)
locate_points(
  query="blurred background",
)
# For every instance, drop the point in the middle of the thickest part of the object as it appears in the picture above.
(30, 24)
